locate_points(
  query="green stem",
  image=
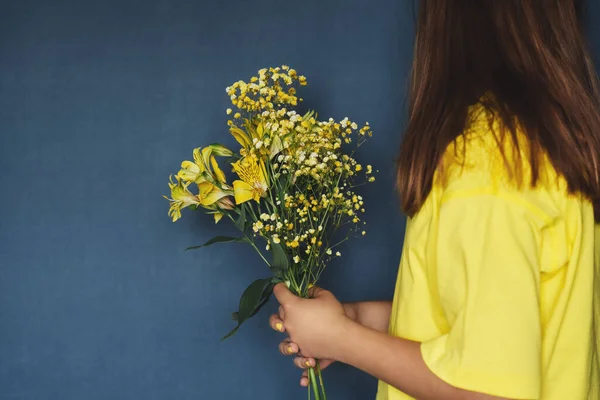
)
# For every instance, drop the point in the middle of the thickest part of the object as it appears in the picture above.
(313, 383)
(257, 250)
(321, 381)
(251, 243)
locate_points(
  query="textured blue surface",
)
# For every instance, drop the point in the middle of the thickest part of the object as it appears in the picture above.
(99, 102)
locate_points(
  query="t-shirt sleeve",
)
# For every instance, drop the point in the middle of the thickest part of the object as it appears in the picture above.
(493, 344)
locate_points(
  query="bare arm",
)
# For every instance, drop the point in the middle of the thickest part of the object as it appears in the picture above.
(372, 314)
(398, 362)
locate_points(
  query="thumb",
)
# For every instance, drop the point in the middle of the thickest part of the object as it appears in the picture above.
(283, 294)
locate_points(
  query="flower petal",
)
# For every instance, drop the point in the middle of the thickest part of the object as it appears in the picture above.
(276, 146)
(198, 159)
(204, 189)
(206, 153)
(240, 136)
(189, 172)
(217, 171)
(211, 198)
(242, 192)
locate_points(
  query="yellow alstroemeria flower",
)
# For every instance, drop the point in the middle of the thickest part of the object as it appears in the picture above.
(181, 197)
(253, 183)
(209, 194)
(204, 167)
(192, 171)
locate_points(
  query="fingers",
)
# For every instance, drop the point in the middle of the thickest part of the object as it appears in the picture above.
(312, 292)
(276, 323)
(316, 292)
(304, 379)
(304, 362)
(287, 347)
(283, 294)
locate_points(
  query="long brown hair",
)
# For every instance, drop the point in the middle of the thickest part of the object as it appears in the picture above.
(532, 56)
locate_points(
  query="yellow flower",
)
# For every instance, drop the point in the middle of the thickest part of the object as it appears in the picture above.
(191, 171)
(253, 182)
(257, 226)
(241, 136)
(204, 167)
(181, 198)
(209, 194)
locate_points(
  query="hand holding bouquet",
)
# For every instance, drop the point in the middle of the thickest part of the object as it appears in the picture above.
(292, 190)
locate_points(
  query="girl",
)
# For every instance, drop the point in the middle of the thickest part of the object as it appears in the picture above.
(498, 294)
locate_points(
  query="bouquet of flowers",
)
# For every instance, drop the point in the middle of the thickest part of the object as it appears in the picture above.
(291, 192)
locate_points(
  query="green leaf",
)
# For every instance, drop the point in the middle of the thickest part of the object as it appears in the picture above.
(218, 239)
(276, 271)
(240, 223)
(280, 258)
(235, 316)
(231, 333)
(254, 297)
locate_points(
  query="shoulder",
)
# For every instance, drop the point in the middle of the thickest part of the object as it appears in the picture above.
(487, 160)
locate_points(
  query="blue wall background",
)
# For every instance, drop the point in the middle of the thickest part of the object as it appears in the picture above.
(99, 103)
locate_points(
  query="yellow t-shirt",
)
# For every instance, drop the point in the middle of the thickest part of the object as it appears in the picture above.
(498, 283)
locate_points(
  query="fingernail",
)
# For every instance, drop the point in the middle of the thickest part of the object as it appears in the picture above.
(290, 349)
(279, 326)
(307, 363)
